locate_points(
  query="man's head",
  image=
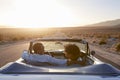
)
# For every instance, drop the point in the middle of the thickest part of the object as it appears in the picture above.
(72, 51)
(38, 48)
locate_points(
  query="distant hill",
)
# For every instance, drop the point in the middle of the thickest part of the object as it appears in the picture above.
(110, 23)
(1, 26)
(107, 24)
(118, 25)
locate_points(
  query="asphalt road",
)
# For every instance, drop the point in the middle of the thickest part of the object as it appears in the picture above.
(108, 57)
(12, 52)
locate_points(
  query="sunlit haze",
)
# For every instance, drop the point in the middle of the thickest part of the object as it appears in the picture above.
(57, 13)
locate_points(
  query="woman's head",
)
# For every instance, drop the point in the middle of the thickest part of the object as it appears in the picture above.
(72, 51)
(38, 48)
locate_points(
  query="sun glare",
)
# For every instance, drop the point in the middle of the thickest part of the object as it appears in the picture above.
(56, 13)
(40, 14)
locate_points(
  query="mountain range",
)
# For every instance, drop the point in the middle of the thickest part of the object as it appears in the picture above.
(109, 23)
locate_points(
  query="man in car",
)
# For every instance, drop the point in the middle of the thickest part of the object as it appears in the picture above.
(72, 53)
(39, 56)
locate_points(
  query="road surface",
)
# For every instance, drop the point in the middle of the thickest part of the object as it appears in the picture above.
(12, 52)
(107, 57)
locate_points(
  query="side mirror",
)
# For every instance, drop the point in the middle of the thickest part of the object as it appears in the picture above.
(25, 51)
(92, 53)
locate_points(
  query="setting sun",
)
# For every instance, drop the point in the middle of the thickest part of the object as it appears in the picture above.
(39, 14)
(56, 13)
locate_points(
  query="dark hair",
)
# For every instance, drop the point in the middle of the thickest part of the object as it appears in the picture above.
(38, 47)
(73, 50)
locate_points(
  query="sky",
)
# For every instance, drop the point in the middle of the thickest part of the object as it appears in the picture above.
(57, 13)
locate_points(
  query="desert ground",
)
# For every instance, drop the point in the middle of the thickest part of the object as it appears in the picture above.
(107, 40)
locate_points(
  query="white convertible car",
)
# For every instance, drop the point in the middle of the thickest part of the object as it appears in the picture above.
(93, 70)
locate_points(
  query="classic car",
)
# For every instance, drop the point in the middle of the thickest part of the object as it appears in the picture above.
(93, 70)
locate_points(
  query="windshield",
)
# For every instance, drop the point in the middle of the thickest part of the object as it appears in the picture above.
(59, 45)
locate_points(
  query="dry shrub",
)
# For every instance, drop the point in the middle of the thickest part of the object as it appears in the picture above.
(117, 47)
(94, 41)
(1, 37)
(15, 39)
(102, 41)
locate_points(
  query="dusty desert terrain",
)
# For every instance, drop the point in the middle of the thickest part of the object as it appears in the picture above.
(106, 39)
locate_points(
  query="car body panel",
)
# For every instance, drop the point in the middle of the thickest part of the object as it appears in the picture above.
(56, 77)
